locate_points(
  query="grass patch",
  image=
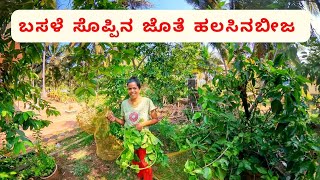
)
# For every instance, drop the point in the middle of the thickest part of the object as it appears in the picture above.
(63, 156)
(72, 139)
(86, 142)
(80, 169)
(116, 173)
(69, 140)
(175, 169)
(81, 166)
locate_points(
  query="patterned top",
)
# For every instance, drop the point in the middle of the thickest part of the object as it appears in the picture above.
(140, 113)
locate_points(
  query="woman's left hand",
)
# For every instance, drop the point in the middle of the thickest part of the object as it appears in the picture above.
(139, 127)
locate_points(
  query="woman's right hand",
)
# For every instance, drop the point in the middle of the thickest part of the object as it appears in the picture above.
(110, 116)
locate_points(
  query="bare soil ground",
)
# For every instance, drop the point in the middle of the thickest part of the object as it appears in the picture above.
(82, 162)
(61, 125)
(73, 165)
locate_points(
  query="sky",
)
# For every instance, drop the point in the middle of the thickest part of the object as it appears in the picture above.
(157, 4)
(64, 4)
(170, 5)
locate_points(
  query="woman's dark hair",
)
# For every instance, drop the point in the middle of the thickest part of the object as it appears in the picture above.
(134, 79)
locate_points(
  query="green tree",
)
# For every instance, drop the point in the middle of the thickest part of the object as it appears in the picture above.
(167, 68)
(236, 136)
(311, 67)
(16, 77)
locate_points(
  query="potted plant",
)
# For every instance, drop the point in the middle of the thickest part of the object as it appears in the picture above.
(43, 165)
(19, 167)
(39, 164)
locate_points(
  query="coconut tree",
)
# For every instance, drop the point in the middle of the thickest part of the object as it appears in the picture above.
(259, 49)
(115, 4)
(57, 58)
(135, 4)
(204, 4)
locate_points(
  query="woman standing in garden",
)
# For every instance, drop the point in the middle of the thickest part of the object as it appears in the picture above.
(140, 112)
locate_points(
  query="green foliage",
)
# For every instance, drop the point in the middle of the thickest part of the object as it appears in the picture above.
(246, 4)
(84, 71)
(16, 86)
(84, 4)
(133, 140)
(57, 65)
(167, 70)
(80, 169)
(9, 166)
(311, 68)
(105, 67)
(5, 175)
(44, 165)
(16, 76)
(29, 165)
(268, 4)
(114, 87)
(170, 134)
(163, 68)
(116, 130)
(233, 138)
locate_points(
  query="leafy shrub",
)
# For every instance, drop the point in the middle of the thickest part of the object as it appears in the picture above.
(134, 139)
(233, 139)
(80, 169)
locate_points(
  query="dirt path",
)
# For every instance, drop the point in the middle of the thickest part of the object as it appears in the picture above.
(61, 125)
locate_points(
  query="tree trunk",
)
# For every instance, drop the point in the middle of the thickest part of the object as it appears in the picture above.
(225, 66)
(44, 94)
(232, 4)
(317, 3)
(244, 98)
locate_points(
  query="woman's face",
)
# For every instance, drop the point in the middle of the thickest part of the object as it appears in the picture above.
(133, 90)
